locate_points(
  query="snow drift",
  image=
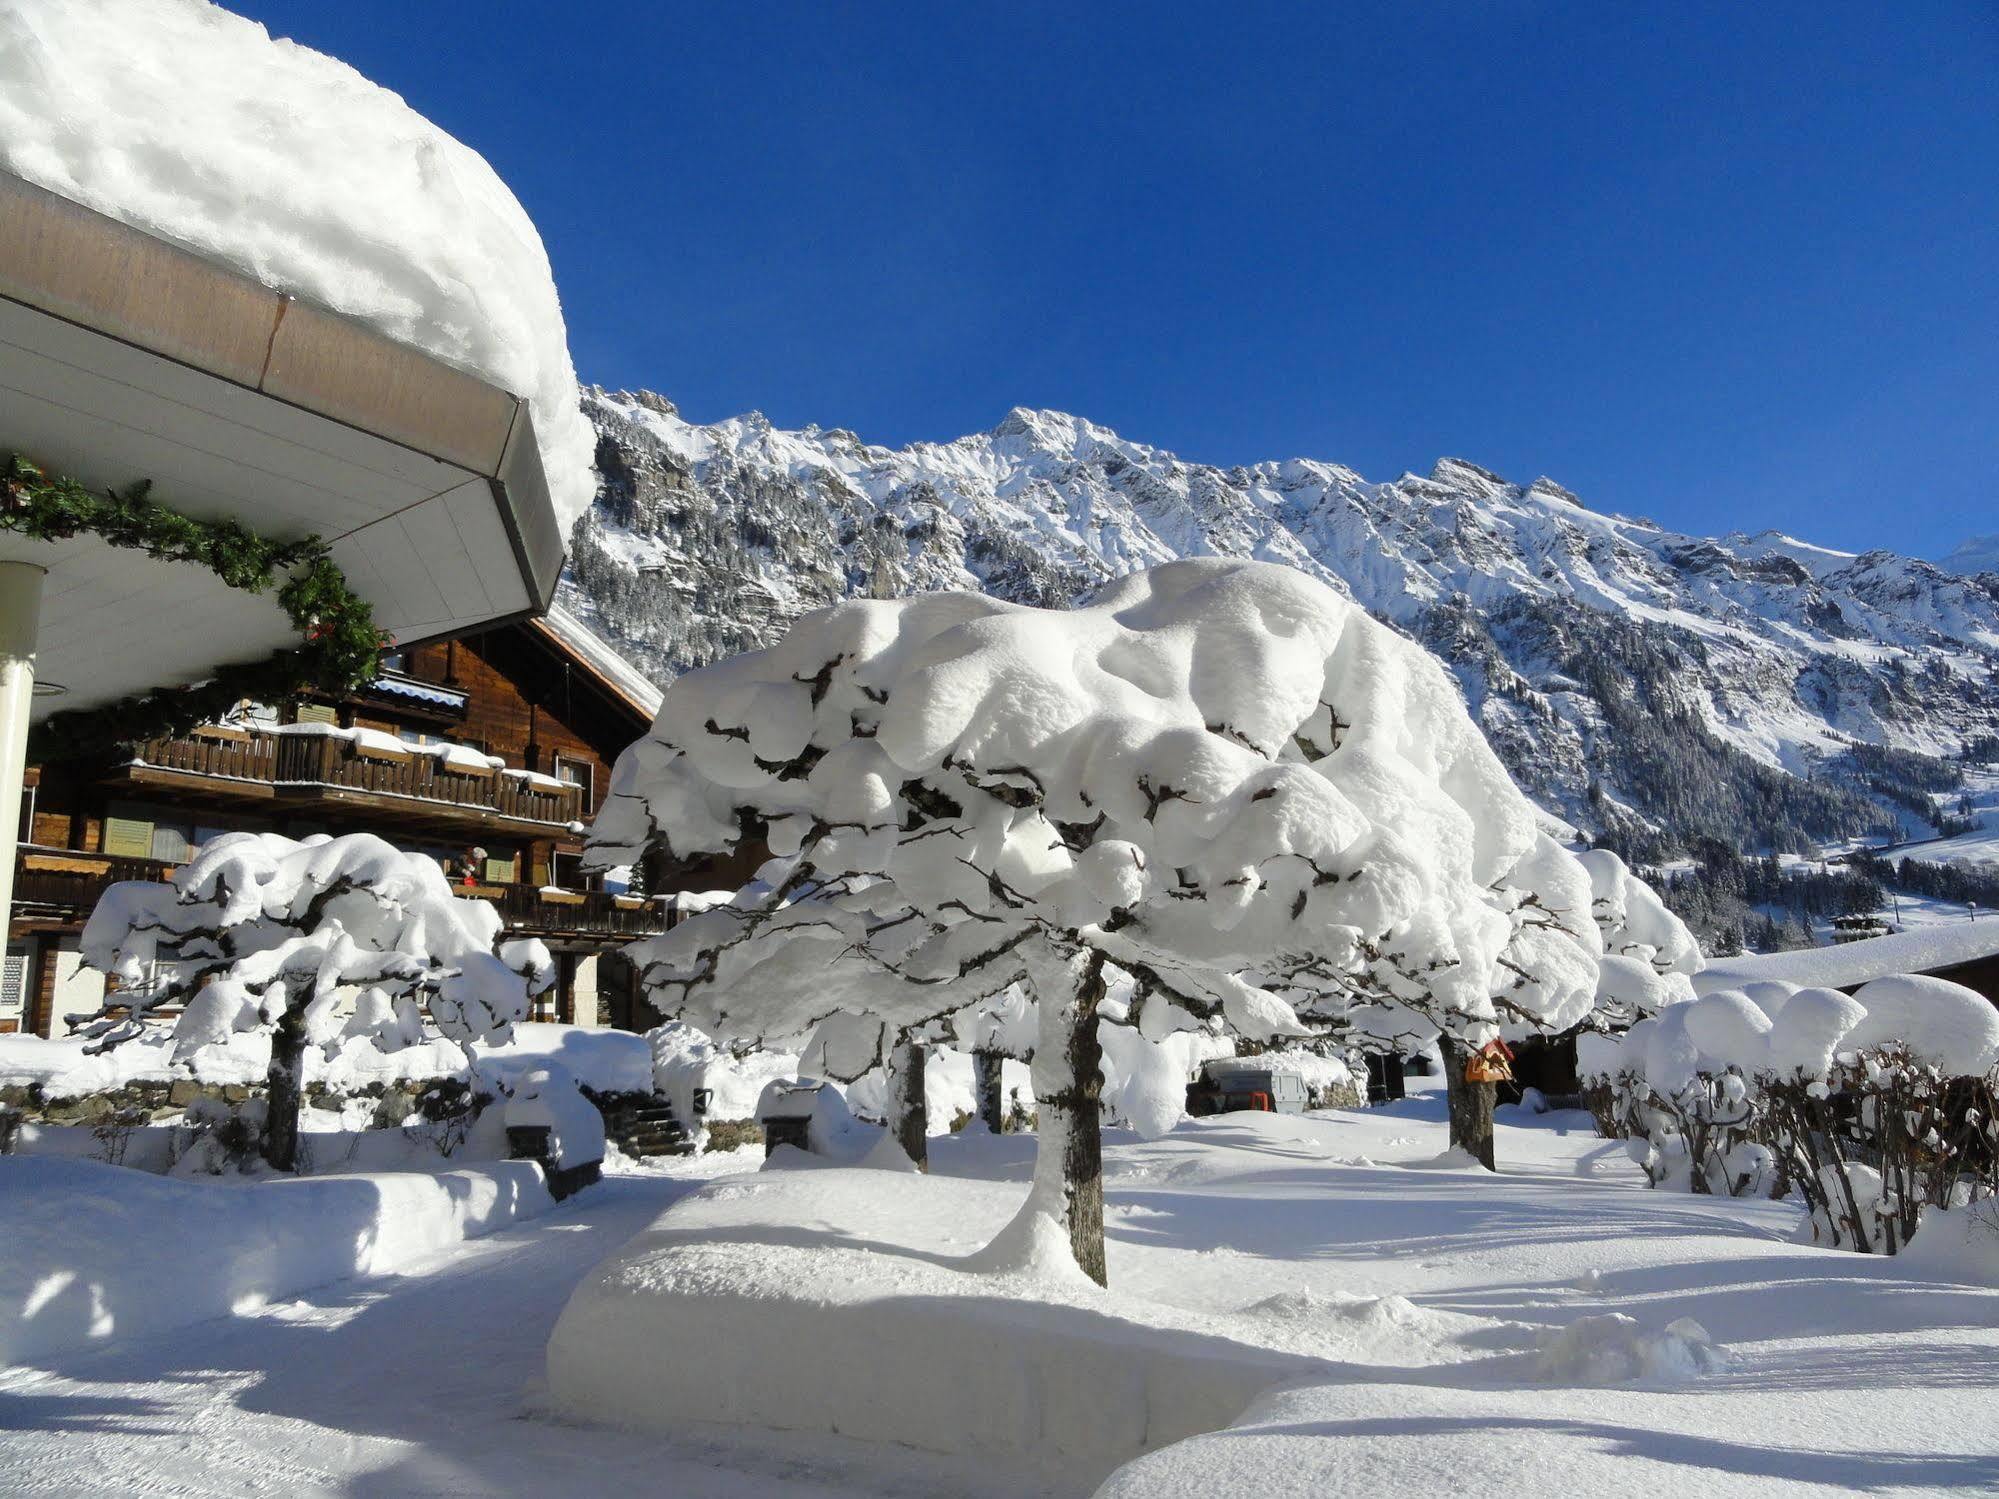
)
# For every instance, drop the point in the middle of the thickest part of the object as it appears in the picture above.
(71, 1274)
(886, 1339)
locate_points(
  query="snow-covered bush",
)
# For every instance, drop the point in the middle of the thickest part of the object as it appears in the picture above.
(327, 942)
(1871, 1107)
(1221, 778)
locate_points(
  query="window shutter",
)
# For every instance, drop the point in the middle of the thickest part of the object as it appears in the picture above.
(128, 837)
(14, 985)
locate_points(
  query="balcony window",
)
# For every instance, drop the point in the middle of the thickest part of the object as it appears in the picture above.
(576, 773)
(172, 844)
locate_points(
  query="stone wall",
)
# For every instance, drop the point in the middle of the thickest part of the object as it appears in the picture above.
(165, 1102)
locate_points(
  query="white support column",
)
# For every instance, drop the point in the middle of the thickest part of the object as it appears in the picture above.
(20, 620)
(584, 987)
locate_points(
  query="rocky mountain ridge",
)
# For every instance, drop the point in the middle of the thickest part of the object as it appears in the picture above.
(1641, 683)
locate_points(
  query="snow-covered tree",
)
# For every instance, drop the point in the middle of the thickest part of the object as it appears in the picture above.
(322, 941)
(1221, 777)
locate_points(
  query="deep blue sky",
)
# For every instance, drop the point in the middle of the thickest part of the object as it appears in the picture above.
(1728, 266)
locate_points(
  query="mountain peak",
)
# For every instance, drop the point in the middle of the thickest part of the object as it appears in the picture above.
(1977, 554)
(1462, 473)
(1056, 433)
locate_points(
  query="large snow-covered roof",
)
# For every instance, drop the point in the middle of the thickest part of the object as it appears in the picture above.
(1841, 967)
(197, 126)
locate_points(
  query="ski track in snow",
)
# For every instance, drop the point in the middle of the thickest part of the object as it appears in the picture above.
(423, 1385)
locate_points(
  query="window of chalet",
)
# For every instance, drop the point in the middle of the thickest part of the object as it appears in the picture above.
(576, 773)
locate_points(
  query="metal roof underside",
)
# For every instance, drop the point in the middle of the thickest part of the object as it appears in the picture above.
(123, 357)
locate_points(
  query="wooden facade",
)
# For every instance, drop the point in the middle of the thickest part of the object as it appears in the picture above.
(491, 753)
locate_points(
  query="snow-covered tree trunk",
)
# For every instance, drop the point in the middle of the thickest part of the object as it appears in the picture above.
(908, 1113)
(284, 1084)
(1470, 1104)
(1068, 1081)
(988, 1089)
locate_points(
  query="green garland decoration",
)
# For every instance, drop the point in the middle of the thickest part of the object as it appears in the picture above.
(340, 649)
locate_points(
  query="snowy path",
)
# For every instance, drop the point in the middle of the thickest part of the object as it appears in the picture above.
(418, 1386)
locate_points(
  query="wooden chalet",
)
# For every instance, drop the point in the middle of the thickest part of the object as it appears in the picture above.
(489, 752)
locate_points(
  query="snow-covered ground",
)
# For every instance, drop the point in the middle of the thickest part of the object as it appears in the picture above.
(422, 1385)
(1434, 1328)
(1981, 845)
(1424, 1320)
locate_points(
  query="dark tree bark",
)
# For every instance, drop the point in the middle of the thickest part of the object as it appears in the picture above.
(284, 1087)
(1083, 1145)
(1470, 1104)
(909, 1113)
(988, 1093)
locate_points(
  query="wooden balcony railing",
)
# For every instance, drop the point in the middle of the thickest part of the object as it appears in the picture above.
(64, 885)
(249, 757)
(322, 760)
(595, 911)
(300, 765)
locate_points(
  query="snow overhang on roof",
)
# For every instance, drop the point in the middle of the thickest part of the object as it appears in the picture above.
(125, 357)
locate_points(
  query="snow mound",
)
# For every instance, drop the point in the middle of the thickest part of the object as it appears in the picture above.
(1615, 1349)
(70, 1276)
(545, 1096)
(195, 125)
(1032, 1247)
(831, 1301)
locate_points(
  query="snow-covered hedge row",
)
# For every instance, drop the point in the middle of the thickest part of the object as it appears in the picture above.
(606, 1061)
(71, 1274)
(1872, 1106)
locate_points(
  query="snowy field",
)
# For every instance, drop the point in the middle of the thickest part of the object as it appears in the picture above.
(1981, 845)
(1420, 1321)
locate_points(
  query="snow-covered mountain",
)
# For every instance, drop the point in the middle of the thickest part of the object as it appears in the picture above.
(1634, 679)
(1974, 555)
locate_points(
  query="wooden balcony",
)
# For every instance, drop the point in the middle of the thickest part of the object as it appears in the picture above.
(548, 912)
(323, 773)
(57, 888)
